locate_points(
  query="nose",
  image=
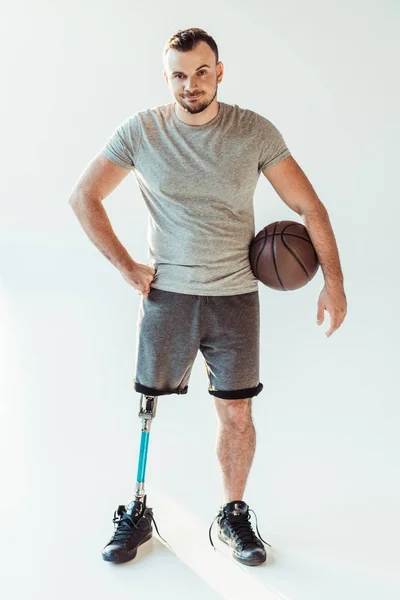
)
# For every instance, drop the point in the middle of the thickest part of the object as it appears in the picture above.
(190, 88)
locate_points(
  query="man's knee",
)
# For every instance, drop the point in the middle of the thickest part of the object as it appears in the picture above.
(234, 411)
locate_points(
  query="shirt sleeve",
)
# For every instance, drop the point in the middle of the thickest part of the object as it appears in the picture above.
(123, 144)
(272, 146)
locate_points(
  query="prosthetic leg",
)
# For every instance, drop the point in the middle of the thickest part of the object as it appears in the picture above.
(133, 524)
(147, 412)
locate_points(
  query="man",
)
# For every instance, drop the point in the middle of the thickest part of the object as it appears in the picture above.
(197, 162)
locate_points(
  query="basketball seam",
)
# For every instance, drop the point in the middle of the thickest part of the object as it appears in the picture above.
(274, 258)
(287, 234)
(259, 254)
(292, 252)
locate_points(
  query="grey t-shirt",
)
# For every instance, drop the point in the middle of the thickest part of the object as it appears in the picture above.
(198, 184)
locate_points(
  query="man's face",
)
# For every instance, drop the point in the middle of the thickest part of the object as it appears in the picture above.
(185, 79)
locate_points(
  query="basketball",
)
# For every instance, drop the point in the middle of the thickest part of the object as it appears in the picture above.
(283, 257)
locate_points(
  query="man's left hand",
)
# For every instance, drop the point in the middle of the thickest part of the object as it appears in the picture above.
(333, 299)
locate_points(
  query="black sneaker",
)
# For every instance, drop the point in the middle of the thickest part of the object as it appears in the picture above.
(234, 529)
(133, 527)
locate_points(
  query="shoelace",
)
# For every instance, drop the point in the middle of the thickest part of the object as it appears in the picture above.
(241, 527)
(124, 524)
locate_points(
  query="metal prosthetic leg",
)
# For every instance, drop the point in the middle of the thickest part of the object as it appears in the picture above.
(147, 412)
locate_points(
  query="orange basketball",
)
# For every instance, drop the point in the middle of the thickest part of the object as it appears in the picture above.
(283, 257)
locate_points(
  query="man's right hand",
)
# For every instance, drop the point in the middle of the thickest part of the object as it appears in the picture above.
(140, 277)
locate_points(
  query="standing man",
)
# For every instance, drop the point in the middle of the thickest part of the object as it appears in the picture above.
(197, 162)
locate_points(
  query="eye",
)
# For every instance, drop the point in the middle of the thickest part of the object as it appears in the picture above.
(202, 71)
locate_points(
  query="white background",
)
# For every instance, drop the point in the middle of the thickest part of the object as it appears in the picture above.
(324, 481)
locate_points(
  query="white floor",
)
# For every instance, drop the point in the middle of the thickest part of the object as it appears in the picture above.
(62, 474)
(68, 460)
(69, 436)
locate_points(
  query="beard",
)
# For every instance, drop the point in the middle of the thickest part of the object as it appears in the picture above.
(199, 105)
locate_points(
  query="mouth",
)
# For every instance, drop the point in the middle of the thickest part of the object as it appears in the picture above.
(193, 97)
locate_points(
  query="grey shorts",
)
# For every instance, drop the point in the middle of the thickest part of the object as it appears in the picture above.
(172, 327)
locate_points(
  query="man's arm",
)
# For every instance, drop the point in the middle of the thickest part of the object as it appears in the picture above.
(291, 184)
(98, 180)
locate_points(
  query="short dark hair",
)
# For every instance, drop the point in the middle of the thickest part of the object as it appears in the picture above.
(184, 40)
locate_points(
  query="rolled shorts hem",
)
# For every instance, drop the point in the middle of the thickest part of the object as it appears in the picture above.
(143, 389)
(237, 394)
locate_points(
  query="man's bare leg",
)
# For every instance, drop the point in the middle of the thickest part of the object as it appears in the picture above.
(236, 443)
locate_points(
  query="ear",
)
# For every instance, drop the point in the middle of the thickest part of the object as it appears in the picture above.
(220, 71)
